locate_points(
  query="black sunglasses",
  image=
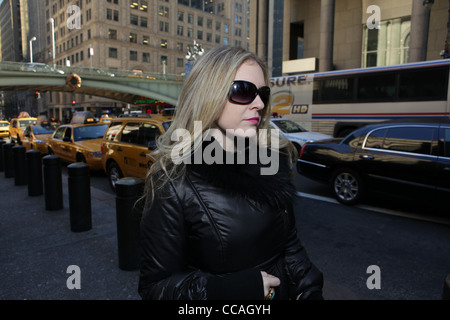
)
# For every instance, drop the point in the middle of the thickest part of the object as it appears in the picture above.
(244, 92)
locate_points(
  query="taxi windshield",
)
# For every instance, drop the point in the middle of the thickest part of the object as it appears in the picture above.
(89, 132)
(43, 130)
(24, 123)
(288, 126)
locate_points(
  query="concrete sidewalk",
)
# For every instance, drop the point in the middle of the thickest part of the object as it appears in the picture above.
(37, 247)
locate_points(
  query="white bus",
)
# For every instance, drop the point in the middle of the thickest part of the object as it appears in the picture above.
(338, 102)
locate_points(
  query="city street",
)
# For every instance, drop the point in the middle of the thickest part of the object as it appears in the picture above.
(409, 247)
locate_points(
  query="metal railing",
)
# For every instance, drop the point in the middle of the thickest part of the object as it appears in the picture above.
(86, 71)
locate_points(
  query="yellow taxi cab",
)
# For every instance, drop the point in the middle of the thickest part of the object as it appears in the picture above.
(106, 119)
(127, 143)
(4, 129)
(36, 137)
(78, 142)
(17, 127)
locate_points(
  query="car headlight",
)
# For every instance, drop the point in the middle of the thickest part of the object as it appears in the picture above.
(97, 154)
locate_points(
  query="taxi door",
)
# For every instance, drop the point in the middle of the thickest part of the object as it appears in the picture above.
(134, 148)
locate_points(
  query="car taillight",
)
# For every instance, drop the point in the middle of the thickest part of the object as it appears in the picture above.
(101, 148)
(303, 149)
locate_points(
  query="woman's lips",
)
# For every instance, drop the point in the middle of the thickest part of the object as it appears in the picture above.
(253, 120)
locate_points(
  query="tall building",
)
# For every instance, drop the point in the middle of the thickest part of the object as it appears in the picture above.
(10, 35)
(20, 22)
(300, 36)
(140, 35)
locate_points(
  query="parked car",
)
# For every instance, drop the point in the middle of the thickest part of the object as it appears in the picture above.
(404, 158)
(36, 137)
(18, 125)
(295, 132)
(77, 142)
(4, 129)
(127, 143)
(39, 67)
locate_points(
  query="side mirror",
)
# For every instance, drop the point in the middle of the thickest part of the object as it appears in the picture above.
(152, 145)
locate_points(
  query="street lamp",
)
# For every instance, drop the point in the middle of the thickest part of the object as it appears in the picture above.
(53, 37)
(192, 54)
(31, 48)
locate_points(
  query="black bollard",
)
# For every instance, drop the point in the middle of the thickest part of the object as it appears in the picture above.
(20, 165)
(79, 197)
(8, 159)
(34, 173)
(53, 183)
(2, 162)
(128, 217)
(446, 290)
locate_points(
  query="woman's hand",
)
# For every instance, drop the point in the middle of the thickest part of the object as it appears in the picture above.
(269, 281)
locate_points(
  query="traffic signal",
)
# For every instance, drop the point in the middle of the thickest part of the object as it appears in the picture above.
(74, 102)
(37, 95)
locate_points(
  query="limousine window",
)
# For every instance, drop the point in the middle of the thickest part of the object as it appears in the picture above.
(447, 143)
(376, 139)
(409, 139)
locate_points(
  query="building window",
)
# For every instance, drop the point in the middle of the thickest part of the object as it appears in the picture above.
(144, 22)
(145, 57)
(163, 26)
(180, 62)
(133, 37)
(144, 6)
(180, 16)
(134, 4)
(112, 53)
(112, 34)
(164, 43)
(388, 45)
(146, 40)
(112, 14)
(133, 55)
(134, 19)
(163, 11)
(180, 30)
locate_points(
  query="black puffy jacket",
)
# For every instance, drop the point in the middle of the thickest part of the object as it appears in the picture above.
(209, 235)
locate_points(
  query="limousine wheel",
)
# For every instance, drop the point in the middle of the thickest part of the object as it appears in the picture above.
(347, 186)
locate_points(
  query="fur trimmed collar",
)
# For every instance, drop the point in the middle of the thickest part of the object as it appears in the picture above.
(246, 180)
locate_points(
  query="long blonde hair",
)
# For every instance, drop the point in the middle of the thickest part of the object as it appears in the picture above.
(202, 99)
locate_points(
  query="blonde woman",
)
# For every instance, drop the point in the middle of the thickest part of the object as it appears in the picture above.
(218, 221)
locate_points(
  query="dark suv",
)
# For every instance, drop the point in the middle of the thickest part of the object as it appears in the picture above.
(407, 158)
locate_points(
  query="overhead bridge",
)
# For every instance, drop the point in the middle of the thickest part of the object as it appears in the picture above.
(125, 86)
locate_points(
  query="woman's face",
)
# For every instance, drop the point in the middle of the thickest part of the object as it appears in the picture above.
(244, 119)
